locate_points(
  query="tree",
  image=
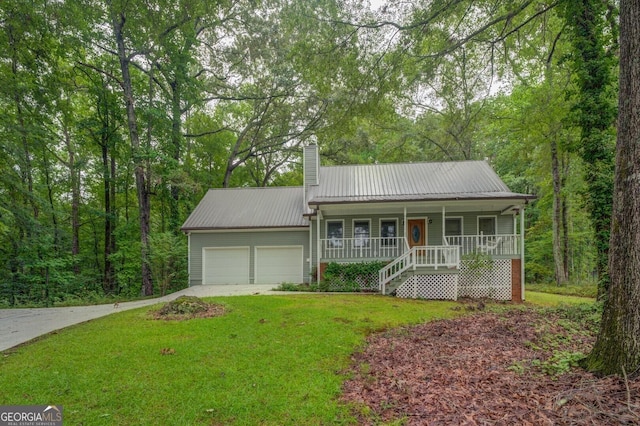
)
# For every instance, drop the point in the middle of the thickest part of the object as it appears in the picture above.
(617, 348)
(118, 18)
(593, 31)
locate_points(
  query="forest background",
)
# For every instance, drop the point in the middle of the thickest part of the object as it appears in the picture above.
(118, 115)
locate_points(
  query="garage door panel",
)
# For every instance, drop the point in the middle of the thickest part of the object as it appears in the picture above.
(229, 265)
(275, 265)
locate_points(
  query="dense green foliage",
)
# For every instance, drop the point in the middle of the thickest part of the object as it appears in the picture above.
(594, 38)
(117, 117)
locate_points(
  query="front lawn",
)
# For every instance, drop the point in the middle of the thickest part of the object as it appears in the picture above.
(270, 360)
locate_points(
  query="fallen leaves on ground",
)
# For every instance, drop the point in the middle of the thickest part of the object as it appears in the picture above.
(188, 307)
(491, 368)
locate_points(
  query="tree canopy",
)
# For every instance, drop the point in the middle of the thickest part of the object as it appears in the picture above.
(119, 115)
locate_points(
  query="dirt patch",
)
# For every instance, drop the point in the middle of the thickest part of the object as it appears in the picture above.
(188, 307)
(490, 368)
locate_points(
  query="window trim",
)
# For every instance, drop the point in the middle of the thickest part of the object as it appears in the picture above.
(337, 242)
(461, 226)
(365, 242)
(394, 241)
(495, 223)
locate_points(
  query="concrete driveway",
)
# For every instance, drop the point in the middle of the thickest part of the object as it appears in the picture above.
(21, 325)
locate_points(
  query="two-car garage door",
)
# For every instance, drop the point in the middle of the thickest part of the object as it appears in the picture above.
(272, 265)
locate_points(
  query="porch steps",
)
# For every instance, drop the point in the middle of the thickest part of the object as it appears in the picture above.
(391, 287)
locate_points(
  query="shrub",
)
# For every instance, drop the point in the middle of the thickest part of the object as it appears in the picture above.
(350, 277)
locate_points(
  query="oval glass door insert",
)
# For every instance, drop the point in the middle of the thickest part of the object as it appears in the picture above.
(415, 233)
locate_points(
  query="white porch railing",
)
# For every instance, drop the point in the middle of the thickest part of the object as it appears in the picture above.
(425, 256)
(498, 245)
(363, 248)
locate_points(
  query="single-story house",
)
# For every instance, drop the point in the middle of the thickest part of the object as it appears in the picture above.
(444, 229)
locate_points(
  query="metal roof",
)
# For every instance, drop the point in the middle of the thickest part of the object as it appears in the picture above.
(284, 207)
(460, 180)
(271, 207)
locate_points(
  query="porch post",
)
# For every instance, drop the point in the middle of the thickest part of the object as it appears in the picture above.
(522, 252)
(318, 246)
(444, 240)
(404, 226)
(310, 260)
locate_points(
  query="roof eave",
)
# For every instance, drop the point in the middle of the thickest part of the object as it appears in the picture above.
(525, 197)
(238, 228)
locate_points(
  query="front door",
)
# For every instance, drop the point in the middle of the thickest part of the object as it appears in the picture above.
(417, 232)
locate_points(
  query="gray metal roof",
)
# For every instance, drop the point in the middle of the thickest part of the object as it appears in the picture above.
(284, 207)
(271, 207)
(468, 180)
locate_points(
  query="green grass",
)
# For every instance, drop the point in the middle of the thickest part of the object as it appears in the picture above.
(548, 299)
(272, 360)
(589, 289)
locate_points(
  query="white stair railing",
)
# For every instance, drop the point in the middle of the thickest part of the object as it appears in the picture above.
(396, 268)
(423, 256)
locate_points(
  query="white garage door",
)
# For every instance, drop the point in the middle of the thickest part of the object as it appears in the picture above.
(228, 265)
(275, 265)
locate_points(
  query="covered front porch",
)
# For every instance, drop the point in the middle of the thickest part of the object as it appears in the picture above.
(417, 237)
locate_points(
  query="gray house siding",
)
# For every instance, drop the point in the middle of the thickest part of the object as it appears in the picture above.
(200, 240)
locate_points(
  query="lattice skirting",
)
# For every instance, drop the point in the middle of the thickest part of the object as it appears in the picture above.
(491, 279)
(432, 286)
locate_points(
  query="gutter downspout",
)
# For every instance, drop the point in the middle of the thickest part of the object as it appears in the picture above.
(189, 258)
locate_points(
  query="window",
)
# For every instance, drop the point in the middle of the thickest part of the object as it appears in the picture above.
(334, 233)
(487, 225)
(388, 232)
(361, 233)
(453, 226)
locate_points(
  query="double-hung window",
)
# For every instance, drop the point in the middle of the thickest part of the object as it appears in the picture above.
(361, 233)
(453, 226)
(334, 233)
(487, 225)
(388, 232)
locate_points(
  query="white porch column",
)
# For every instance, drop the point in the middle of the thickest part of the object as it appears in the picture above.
(404, 224)
(310, 260)
(522, 252)
(444, 240)
(318, 245)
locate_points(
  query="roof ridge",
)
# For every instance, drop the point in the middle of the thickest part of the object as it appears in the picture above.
(256, 187)
(403, 163)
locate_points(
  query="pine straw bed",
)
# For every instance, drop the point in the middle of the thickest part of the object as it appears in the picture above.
(491, 368)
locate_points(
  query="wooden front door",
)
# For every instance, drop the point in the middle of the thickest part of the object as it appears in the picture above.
(416, 232)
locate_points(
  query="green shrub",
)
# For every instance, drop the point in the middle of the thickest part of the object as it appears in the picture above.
(294, 287)
(351, 277)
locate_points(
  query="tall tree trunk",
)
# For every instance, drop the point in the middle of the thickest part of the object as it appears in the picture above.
(142, 190)
(560, 273)
(108, 170)
(176, 145)
(617, 348)
(74, 179)
(564, 207)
